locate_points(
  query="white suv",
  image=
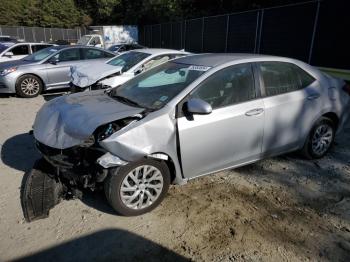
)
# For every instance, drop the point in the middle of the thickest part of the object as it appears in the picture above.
(19, 50)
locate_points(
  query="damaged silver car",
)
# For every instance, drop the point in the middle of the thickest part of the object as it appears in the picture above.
(183, 119)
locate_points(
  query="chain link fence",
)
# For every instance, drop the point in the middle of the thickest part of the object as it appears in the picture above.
(315, 32)
(42, 34)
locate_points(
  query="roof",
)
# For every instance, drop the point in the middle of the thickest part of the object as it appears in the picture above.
(155, 51)
(31, 43)
(213, 60)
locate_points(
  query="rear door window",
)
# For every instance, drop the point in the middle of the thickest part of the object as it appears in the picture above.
(90, 53)
(282, 77)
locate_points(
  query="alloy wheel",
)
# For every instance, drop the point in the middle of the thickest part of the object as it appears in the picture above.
(141, 187)
(30, 86)
(322, 139)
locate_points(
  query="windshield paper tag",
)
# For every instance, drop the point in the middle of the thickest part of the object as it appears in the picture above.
(199, 68)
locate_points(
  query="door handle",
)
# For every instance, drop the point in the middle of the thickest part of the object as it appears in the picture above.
(313, 96)
(254, 112)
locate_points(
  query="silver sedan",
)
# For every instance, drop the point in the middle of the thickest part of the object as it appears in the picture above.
(46, 69)
(186, 118)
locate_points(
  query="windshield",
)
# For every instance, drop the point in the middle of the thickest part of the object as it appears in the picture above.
(128, 60)
(84, 40)
(157, 86)
(40, 55)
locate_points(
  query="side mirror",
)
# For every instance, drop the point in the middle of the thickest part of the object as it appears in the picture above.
(198, 106)
(54, 61)
(8, 54)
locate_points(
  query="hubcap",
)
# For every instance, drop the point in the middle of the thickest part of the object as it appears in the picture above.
(30, 86)
(322, 139)
(141, 187)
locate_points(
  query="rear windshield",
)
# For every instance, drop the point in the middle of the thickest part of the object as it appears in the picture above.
(128, 60)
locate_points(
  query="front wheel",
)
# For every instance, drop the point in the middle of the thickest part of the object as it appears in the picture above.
(137, 188)
(320, 139)
(29, 86)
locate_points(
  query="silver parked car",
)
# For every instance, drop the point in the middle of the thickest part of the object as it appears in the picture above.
(186, 118)
(120, 69)
(46, 69)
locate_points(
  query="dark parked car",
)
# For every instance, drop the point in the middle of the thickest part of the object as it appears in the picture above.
(120, 48)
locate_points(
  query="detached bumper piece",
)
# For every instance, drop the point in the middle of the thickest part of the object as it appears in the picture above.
(40, 192)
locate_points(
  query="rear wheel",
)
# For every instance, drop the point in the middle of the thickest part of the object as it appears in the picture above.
(137, 188)
(29, 86)
(320, 139)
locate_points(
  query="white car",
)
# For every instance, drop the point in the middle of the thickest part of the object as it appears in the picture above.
(120, 69)
(19, 50)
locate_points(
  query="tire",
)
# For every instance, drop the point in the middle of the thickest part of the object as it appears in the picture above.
(124, 177)
(320, 139)
(29, 86)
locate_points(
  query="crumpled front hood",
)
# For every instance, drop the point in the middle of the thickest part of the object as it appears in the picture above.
(69, 120)
(88, 74)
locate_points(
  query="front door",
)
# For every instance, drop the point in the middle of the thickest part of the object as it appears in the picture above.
(232, 134)
(59, 73)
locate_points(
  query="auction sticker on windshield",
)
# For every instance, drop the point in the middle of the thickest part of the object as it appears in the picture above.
(199, 68)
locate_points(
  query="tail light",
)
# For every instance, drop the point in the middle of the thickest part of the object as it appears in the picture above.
(346, 88)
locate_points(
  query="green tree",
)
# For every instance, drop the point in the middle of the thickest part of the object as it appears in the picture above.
(70, 13)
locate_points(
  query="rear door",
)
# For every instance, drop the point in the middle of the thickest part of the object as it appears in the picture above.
(292, 102)
(232, 133)
(59, 73)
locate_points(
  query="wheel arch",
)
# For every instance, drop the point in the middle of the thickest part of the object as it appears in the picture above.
(32, 74)
(163, 157)
(328, 114)
(334, 117)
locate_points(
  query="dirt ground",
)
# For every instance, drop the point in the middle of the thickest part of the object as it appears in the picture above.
(280, 209)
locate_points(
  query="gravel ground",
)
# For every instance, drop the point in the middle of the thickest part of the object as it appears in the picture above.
(280, 209)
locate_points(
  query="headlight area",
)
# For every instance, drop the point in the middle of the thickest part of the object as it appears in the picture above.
(105, 131)
(8, 71)
(87, 164)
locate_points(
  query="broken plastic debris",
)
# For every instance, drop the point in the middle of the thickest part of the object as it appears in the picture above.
(109, 160)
